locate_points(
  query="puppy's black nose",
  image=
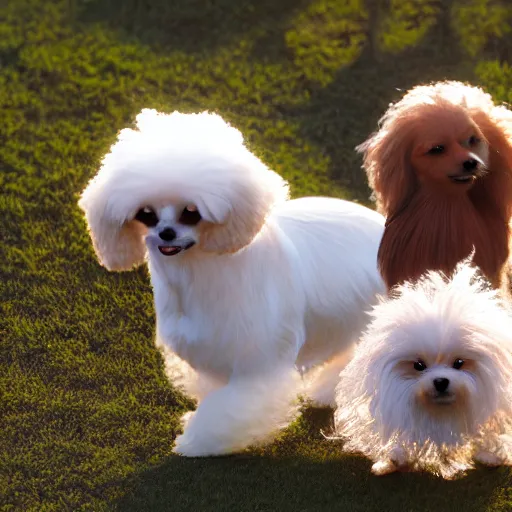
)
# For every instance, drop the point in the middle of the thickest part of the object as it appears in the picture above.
(167, 234)
(470, 165)
(441, 384)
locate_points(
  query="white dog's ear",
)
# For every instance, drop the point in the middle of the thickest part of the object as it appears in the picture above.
(235, 220)
(118, 242)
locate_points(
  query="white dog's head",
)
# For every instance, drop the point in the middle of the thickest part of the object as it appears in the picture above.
(178, 181)
(434, 366)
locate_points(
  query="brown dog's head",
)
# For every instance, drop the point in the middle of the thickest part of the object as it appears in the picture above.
(449, 152)
(439, 136)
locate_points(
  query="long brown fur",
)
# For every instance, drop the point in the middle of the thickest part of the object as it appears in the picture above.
(433, 222)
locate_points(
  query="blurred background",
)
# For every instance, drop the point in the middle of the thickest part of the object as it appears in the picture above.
(88, 416)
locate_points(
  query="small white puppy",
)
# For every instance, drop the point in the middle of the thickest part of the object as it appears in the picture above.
(430, 386)
(248, 285)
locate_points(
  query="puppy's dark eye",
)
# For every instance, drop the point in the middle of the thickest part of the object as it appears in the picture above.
(420, 365)
(190, 216)
(473, 140)
(436, 150)
(457, 364)
(147, 216)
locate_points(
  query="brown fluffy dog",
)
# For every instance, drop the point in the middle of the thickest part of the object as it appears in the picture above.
(441, 170)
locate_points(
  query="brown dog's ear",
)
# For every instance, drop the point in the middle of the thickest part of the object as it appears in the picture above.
(496, 126)
(386, 161)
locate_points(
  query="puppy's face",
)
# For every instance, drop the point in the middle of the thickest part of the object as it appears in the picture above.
(449, 151)
(438, 372)
(171, 229)
(441, 382)
(437, 369)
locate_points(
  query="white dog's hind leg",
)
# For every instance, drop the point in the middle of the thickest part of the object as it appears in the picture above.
(321, 384)
(248, 410)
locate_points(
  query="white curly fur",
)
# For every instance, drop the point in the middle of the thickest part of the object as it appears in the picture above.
(391, 412)
(269, 283)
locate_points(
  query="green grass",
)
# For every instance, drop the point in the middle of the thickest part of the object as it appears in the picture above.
(87, 417)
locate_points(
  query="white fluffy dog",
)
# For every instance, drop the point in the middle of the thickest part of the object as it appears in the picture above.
(248, 285)
(430, 386)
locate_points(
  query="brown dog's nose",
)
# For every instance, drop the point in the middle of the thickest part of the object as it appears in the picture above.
(470, 165)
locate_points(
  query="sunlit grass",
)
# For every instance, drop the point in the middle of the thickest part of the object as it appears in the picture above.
(87, 417)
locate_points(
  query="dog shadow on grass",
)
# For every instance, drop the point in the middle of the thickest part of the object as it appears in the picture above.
(191, 26)
(302, 471)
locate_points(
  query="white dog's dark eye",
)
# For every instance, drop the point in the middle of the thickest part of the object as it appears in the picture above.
(420, 366)
(457, 364)
(436, 150)
(190, 216)
(147, 216)
(473, 140)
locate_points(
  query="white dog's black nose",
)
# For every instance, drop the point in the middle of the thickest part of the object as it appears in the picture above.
(441, 384)
(470, 165)
(167, 234)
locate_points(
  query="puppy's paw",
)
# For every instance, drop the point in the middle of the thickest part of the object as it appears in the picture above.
(488, 459)
(398, 456)
(384, 467)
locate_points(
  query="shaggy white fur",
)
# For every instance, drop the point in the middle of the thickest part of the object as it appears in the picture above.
(248, 285)
(430, 386)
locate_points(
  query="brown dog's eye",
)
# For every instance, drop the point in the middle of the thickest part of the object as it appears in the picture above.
(473, 141)
(147, 216)
(190, 216)
(436, 150)
(420, 365)
(457, 364)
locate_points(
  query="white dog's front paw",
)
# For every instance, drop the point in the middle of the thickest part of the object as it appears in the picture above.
(384, 467)
(182, 446)
(488, 459)
(195, 442)
(193, 446)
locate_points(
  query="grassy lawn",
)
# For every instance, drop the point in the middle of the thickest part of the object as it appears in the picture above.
(87, 417)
